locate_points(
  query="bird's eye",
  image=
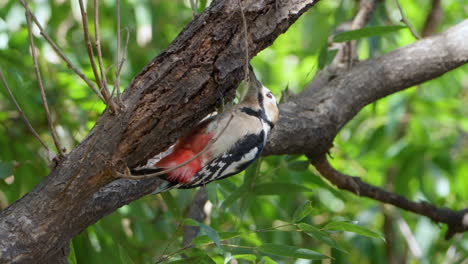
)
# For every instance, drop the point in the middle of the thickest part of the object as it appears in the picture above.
(269, 95)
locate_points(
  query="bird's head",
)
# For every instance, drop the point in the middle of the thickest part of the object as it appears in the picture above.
(268, 102)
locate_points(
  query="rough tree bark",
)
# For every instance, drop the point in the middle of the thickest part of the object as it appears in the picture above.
(177, 89)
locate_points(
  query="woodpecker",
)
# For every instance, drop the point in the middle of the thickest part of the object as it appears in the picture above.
(229, 142)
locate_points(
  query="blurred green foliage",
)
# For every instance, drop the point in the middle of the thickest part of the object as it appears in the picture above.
(414, 142)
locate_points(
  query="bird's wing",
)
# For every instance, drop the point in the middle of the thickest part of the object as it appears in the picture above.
(233, 161)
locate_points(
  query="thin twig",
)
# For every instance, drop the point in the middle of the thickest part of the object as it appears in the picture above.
(89, 47)
(117, 72)
(127, 175)
(433, 19)
(23, 115)
(120, 66)
(98, 46)
(41, 88)
(410, 239)
(246, 45)
(194, 6)
(407, 23)
(60, 53)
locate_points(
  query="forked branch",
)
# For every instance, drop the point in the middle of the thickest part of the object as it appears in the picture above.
(59, 52)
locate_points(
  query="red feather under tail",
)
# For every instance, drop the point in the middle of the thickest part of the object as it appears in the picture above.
(185, 173)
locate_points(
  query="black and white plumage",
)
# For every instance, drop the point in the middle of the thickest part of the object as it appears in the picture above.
(229, 142)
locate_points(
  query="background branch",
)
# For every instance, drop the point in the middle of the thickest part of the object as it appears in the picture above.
(23, 115)
(455, 220)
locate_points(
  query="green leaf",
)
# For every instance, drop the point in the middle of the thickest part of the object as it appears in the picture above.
(268, 260)
(298, 165)
(72, 255)
(320, 235)
(366, 32)
(291, 251)
(203, 239)
(190, 222)
(171, 204)
(6, 170)
(279, 188)
(233, 197)
(350, 227)
(194, 260)
(211, 233)
(302, 212)
(123, 256)
(248, 257)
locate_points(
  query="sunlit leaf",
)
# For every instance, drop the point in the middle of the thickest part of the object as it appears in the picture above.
(72, 255)
(291, 251)
(267, 260)
(347, 226)
(248, 257)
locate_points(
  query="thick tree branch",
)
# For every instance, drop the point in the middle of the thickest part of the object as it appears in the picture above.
(310, 122)
(457, 221)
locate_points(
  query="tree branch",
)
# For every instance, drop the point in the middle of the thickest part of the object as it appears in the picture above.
(455, 220)
(334, 98)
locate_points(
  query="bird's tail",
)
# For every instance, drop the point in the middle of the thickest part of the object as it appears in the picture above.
(167, 185)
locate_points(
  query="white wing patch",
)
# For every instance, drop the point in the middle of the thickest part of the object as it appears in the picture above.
(233, 167)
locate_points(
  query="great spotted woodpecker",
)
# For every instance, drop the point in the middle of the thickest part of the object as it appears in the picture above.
(229, 142)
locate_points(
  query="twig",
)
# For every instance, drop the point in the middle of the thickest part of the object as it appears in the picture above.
(41, 88)
(119, 67)
(117, 72)
(246, 45)
(194, 6)
(454, 219)
(98, 46)
(410, 239)
(89, 47)
(433, 19)
(127, 175)
(23, 115)
(347, 52)
(60, 53)
(407, 23)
